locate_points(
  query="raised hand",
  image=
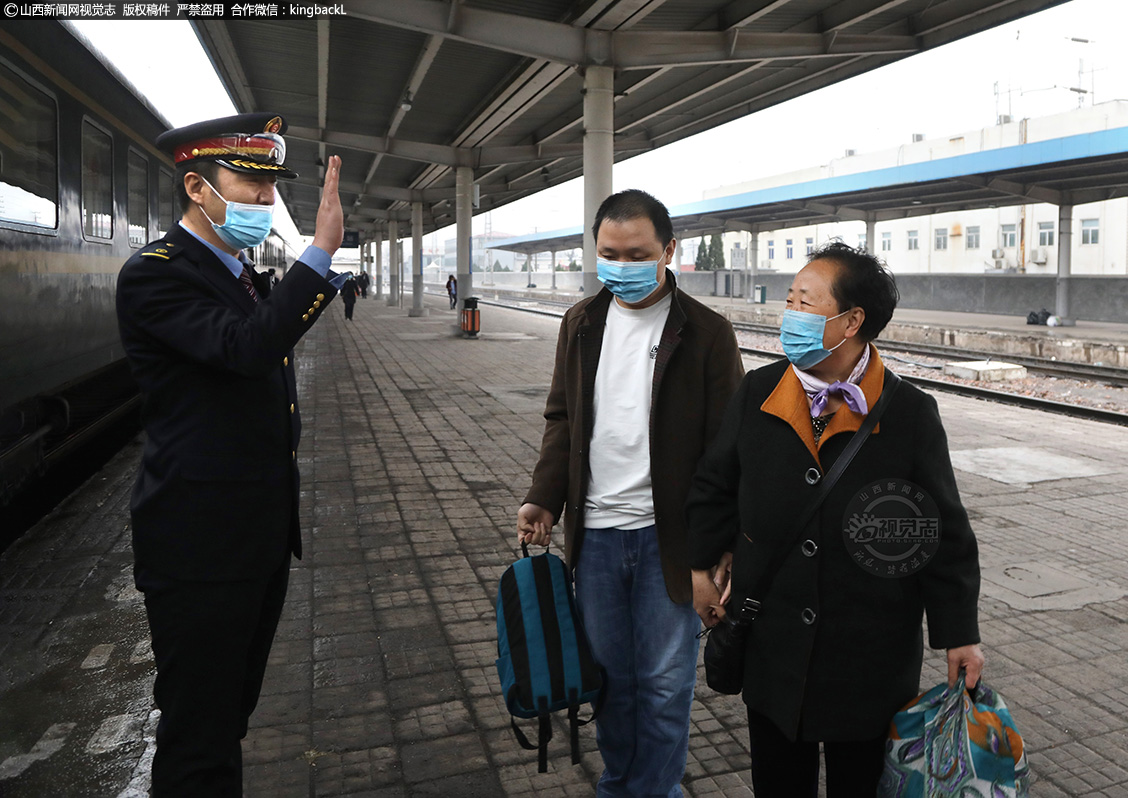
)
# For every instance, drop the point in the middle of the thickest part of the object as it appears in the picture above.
(330, 226)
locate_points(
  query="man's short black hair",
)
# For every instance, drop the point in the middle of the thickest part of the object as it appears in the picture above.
(863, 281)
(635, 204)
(209, 170)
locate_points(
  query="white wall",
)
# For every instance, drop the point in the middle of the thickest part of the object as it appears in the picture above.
(1109, 256)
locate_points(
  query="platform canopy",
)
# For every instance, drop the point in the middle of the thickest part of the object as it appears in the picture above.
(1070, 170)
(408, 90)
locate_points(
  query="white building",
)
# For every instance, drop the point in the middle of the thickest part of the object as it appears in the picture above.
(1020, 238)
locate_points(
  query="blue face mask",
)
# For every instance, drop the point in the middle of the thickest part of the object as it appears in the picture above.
(244, 225)
(631, 281)
(802, 337)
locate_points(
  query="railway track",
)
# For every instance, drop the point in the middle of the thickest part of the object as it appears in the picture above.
(1068, 371)
(1056, 368)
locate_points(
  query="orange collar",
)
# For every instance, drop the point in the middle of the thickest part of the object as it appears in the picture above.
(789, 402)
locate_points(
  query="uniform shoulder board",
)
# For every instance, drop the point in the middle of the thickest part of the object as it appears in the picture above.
(159, 249)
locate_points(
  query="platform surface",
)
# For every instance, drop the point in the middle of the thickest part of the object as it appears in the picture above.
(417, 449)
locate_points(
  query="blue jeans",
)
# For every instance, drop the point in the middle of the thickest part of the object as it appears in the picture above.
(648, 645)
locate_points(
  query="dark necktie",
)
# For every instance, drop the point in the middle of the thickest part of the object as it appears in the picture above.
(245, 279)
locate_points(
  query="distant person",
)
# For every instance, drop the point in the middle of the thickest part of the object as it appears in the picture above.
(362, 284)
(643, 373)
(452, 291)
(348, 295)
(836, 649)
(215, 506)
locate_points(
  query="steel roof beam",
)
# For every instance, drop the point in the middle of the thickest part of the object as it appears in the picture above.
(945, 23)
(457, 156)
(850, 12)
(221, 49)
(626, 12)
(1034, 193)
(567, 44)
(650, 49)
(842, 212)
(744, 12)
(414, 81)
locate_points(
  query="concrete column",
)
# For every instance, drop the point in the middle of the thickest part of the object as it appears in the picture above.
(417, 308)
(599, 140)
(464, 198)
(1064, 264)
(753, 266)
(378, 246)
(393, 263)
(871, 236)
(552, 265)
(678, 255)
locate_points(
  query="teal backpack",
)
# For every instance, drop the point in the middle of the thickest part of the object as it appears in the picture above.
(543, 656)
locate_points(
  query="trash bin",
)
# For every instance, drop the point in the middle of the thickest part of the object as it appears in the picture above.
(471, 322)
(758, 294)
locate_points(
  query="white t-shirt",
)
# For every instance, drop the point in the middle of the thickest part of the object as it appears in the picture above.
(619, 493)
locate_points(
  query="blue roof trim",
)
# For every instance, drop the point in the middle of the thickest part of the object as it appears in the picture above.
(1050, 151)
(1069, 148)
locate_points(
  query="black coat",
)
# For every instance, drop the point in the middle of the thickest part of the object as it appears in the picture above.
(216, 496)
(844, 675)
(348, 291)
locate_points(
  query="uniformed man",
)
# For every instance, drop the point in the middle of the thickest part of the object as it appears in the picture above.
(215, 507)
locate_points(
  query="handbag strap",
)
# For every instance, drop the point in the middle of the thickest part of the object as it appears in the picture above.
(751, 607)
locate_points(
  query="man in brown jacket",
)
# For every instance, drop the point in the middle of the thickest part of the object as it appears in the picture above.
(643, 374)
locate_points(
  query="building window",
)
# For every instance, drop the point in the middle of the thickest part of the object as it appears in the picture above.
(1010, 236)
(790, 250)
(166, 199)
(941, 238)
(862, 242)
(29, 186)
(810, 246)
(1045, 234)
(97, 182)
(138, 199)
(771, 250)
(1090, 231)
(914, 242)
(886, 242)
(971, 240)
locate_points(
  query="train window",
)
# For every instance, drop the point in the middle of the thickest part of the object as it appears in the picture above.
(29, 185)
(138, 199)
(165, 201)
(97, 182)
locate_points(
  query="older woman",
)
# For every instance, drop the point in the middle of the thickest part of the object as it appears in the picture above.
(837, 647)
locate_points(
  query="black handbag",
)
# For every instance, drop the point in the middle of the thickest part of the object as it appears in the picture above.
(728, 640)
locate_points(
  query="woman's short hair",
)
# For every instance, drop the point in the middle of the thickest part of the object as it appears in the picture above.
(863, 281)
(635, 204)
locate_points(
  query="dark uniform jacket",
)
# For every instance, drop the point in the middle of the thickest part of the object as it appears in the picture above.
(216, 496)
(841, 671)
(696, 370)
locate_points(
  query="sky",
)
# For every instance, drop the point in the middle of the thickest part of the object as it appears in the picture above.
(1025, 69)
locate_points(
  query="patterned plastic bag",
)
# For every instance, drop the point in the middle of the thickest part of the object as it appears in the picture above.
(947, 742)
